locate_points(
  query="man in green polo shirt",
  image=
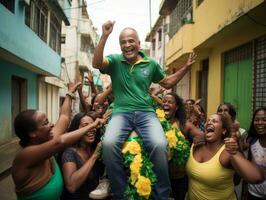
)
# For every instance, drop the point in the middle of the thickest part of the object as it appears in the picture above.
(132, 73)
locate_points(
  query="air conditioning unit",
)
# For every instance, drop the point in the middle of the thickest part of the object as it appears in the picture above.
(25, 2)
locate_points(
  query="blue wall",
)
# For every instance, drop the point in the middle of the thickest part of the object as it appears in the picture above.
(18, 39)
(6, 71)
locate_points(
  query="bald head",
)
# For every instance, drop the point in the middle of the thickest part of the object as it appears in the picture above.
(129, 31)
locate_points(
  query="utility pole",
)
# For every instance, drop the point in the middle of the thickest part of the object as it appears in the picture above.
(150, 14)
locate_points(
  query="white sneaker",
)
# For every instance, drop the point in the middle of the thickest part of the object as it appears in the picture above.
(102, 190)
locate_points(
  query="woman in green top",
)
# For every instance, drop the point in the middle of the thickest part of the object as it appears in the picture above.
(34, 171)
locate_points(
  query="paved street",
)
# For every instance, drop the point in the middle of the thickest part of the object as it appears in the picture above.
(7, 189)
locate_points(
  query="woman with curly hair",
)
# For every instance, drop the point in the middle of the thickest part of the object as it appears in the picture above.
(211, 167)
(174, 109)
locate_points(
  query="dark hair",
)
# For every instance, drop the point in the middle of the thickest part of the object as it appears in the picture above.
(252, 133)
(24, 124)
(231, 110)
(75, 122)
(74, 125)
(180, 112)
(192, 101)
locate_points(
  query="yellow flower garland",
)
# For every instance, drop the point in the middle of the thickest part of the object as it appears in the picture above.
(136, 159)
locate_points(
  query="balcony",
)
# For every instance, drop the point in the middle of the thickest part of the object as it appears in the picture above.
(85, 60)
(212, 19)
(19, 44)
(180, 44)
(86, 28)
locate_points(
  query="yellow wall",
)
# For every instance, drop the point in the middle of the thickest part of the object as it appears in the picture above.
(211, 16)
(180, 44)
(210, 37)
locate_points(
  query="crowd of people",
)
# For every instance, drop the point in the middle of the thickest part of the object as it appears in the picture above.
(69, 159)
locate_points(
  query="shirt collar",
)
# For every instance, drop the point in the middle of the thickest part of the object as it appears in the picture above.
(145, 58)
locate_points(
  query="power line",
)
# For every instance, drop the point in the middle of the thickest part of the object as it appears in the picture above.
(84, 6)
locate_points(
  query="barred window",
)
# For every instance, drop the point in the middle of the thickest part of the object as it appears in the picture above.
(182, 14)
(259, 95)
(55, 34)
(36, 17)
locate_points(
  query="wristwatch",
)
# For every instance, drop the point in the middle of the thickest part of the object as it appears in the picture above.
(72, 95)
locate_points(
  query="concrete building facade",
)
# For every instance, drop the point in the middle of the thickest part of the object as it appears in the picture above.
(229, 38)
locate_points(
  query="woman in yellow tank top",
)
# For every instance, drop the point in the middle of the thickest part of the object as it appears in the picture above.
(211, 167)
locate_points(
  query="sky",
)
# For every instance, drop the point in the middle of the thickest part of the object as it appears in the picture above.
(125, 13)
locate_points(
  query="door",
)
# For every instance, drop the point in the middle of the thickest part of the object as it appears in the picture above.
(238, 82)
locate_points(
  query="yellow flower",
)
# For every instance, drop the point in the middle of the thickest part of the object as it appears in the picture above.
(160, 114)
(171, 137)
(179, 133)
(135, 167)
(143, 186)
(133, 178)
(136, 164)
(132, 147)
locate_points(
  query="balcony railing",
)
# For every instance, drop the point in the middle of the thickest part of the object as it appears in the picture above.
(182, 14)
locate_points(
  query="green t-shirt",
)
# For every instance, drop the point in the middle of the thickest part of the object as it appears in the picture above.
(131, 83)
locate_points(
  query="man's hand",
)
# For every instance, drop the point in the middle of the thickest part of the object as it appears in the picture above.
(107, 27)
(191, 59)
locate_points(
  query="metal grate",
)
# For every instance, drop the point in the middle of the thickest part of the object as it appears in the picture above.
(240, 53)
(181, 15)
(259, 95)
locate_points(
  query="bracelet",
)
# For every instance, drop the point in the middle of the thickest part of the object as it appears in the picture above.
(71, 95)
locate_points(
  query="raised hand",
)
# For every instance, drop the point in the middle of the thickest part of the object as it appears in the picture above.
(72, 87)
(191, 59)
(99, 122)
(107, 27)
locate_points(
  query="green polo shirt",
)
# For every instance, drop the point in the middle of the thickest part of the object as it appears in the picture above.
(131, 83)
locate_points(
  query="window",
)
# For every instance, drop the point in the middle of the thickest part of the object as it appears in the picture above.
(36, 18)
(63, 38)
(9, 4)
(153, 44)
(182, 14)
(159, 38)
(28, 15)
(55, 34)
(85, 43)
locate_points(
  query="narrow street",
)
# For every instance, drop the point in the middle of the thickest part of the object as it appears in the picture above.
(79, 59)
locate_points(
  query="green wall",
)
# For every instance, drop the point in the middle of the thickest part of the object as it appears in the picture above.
(6, 71)
(19, 40)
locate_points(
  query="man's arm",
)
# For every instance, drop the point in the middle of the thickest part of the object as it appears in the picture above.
(170, 81)
(98, 61)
